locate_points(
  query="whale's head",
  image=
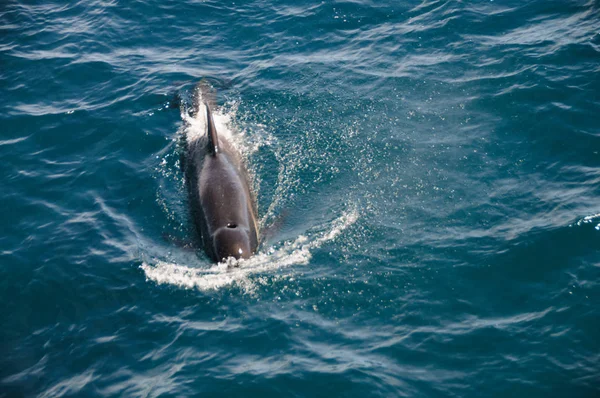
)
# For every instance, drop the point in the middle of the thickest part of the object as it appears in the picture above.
(232, 241)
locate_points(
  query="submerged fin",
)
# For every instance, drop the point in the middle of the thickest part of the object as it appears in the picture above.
(213, 140)
(203, 93)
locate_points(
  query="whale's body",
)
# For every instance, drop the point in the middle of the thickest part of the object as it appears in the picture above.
(221, 201)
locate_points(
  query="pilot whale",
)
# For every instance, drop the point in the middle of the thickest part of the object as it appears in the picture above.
(222, 204)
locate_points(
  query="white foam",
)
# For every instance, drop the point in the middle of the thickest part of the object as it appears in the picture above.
(590, 219)
(242, 272)
(195, 127)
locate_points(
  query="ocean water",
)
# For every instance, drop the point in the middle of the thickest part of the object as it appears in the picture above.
(428, 183)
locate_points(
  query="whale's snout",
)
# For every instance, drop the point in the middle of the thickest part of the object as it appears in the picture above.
(232, 241)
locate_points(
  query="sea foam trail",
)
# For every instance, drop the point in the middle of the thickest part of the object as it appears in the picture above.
(240, 272)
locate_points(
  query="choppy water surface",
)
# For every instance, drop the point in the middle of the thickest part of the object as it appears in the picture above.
(428, 174)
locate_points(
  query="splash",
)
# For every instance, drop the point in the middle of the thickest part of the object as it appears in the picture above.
(246, 273)
(594, 218)
(195, 127)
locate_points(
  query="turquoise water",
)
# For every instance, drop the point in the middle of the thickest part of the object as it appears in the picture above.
(427, 173)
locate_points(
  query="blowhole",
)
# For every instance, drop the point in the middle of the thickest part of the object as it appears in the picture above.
(231, 225)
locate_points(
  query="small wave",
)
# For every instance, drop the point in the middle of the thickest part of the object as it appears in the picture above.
(13, 141)
(594, 218)
(241, 272)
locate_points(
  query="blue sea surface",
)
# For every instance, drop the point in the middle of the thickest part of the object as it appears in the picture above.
(428, 183)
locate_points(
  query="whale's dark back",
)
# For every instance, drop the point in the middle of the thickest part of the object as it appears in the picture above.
(222, 204)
